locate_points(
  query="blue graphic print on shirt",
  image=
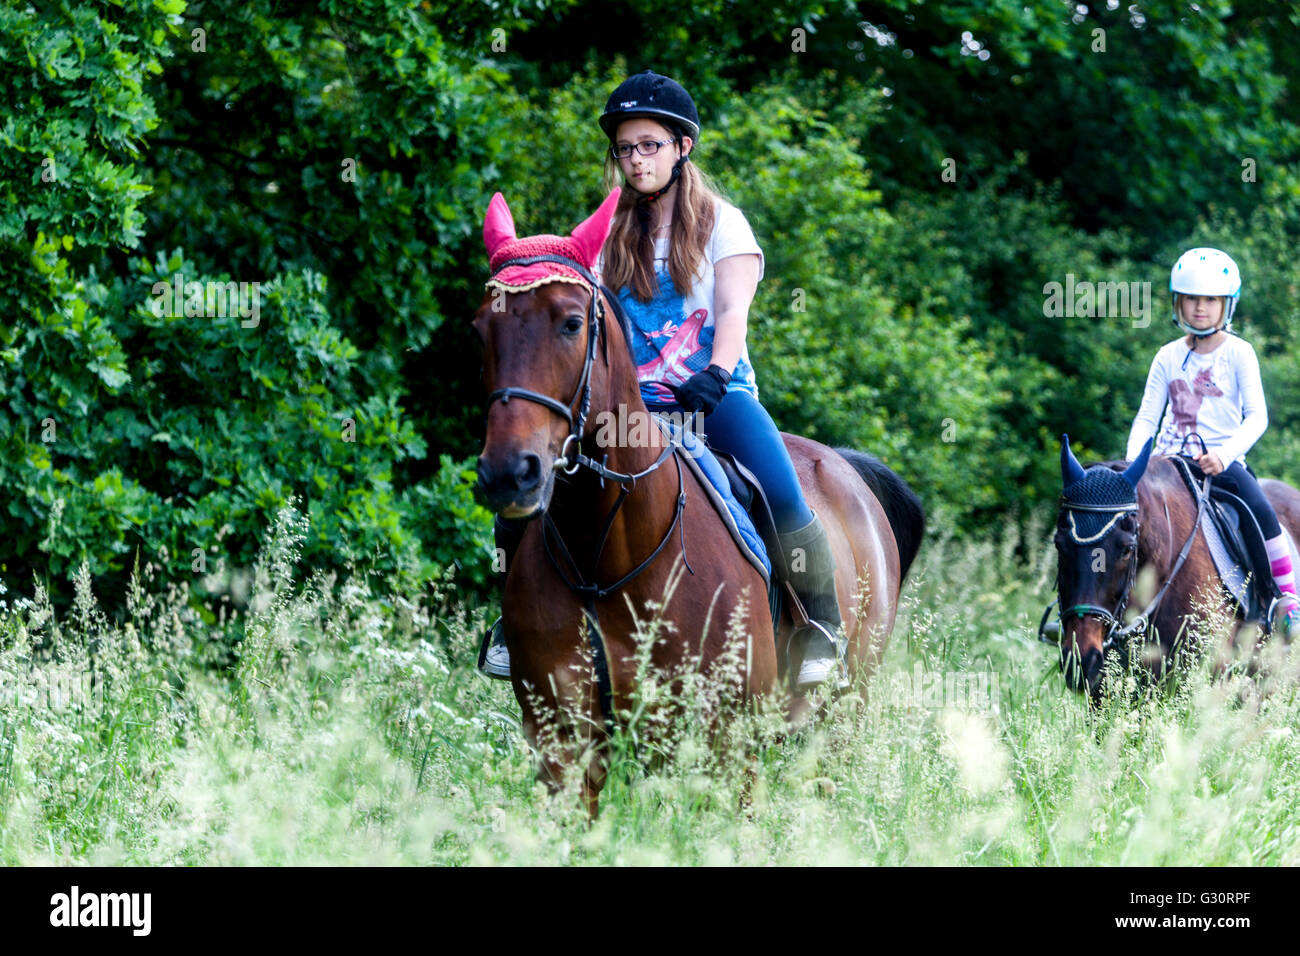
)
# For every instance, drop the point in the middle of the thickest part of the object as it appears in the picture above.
(668, 346)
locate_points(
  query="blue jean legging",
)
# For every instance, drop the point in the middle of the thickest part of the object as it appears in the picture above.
(1236, 479)
(740, 426)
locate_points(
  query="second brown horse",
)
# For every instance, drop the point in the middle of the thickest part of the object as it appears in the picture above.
(1117, 518)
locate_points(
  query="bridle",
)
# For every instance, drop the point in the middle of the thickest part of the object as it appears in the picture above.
(1112, 621)
(595, 315)
(573, 441)
(1116, 630)
(585, 585)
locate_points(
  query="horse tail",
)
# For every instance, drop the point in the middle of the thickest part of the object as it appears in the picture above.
(902, 506)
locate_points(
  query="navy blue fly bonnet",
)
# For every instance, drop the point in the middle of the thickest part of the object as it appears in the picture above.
(1097, 498)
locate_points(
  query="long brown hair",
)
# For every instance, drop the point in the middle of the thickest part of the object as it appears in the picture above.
(628, 260)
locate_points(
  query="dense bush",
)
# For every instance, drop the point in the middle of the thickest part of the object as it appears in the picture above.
(234, 143)
(214, 421)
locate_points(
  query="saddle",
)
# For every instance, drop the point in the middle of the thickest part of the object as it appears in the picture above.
(748, 492)
(1236, 544)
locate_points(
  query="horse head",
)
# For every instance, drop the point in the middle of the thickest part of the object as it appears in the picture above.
(1096, 544)
(538, 324)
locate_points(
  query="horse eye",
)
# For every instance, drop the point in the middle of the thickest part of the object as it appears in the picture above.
(573, 325)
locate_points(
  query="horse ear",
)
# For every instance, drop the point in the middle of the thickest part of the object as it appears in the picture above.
(1071, 470)
(498, 225)
(1133, 473)
(590, 236)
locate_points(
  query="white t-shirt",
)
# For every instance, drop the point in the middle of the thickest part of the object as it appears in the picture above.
(1217, 395)
(672, 334)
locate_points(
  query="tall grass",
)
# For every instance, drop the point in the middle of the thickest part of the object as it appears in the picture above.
(301, 718)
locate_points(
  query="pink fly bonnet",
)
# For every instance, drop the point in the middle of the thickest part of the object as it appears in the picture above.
(583, 246)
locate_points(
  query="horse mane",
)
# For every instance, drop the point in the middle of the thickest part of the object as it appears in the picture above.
(616, 306)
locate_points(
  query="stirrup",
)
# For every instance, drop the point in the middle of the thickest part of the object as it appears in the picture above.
(1291, 625)
(493, 655)
(815, 671)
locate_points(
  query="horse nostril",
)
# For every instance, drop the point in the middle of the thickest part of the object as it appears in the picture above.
(484, 474)
(528, 472)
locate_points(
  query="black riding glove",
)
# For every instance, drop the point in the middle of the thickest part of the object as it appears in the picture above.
(702, 391)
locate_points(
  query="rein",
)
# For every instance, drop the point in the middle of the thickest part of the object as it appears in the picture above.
(588, 589)
(583, 586)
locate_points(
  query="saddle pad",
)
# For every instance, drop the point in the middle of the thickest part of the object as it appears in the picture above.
(710, 474)
(1248, 594)
(1230, 571)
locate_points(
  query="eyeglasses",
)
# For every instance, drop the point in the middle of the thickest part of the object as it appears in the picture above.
(646, 148)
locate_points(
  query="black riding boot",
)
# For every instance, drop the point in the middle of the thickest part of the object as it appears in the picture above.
(493, 658)
(817, 649)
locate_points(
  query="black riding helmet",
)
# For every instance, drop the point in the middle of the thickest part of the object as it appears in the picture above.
(653, 96)
(658, 98)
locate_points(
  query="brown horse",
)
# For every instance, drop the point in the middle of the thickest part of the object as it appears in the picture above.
(1116, 521)
(624, 531)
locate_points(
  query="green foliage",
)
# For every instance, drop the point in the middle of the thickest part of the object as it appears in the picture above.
(287, 150)
(342, 157)
(77, 112)
(356, 141)
(220, 418)
(458, 529)
(1143, 114)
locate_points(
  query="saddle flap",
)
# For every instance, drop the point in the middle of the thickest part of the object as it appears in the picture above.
(752, 528)
(1247, 536)
(1243, 541)
(703, 463)
(747, 490)
(1236, 545)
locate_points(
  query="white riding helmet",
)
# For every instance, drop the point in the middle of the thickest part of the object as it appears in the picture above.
(1205, 271)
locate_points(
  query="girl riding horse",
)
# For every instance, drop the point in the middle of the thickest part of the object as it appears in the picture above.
(1227, 414)
(613, 532)
(685, 265)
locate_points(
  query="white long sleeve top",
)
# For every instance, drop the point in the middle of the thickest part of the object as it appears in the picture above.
(1217, 395)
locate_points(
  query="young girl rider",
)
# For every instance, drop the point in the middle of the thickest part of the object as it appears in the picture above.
(1207, 384)
(685, 265)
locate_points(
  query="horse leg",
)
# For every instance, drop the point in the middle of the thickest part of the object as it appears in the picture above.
(565, 730)
(553, 679)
